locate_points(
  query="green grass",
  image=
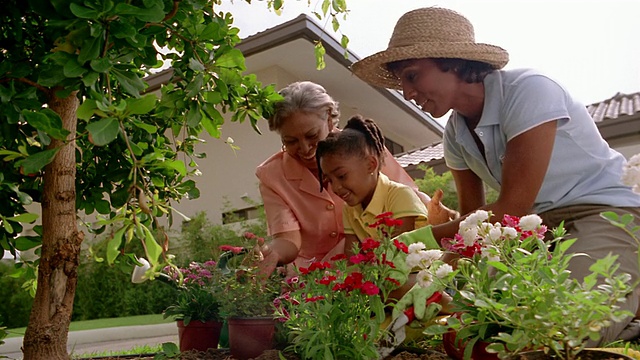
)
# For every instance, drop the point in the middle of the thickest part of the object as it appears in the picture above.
(104, 323)
(133, 351)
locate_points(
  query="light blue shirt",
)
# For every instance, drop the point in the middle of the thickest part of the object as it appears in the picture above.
(583, 168)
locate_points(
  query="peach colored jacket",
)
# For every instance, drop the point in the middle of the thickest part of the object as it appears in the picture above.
(293, 201)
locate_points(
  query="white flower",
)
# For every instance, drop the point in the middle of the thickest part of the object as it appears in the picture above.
(138, 276)
(494, 234)
(530, 222)
(413, 259)
(469, 235)
(416, 247)
(424, 278)
(229, 140)
(443, 270)
(631, 173)
(509, 232)
(427, 257)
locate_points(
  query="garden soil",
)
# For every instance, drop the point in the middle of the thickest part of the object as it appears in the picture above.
(223, 354)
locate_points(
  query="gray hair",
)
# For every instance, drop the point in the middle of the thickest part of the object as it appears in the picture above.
(306, 97)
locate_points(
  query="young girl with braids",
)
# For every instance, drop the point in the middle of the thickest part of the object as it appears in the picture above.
(349, 162)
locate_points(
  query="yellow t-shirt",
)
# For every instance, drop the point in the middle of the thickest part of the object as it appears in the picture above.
(389, 195)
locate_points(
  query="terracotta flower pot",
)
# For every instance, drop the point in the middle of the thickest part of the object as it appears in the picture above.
(250, 337)
(455, 350)
(199, 335)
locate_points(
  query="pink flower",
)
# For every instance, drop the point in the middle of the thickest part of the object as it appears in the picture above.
(369, 288)
(233, 249)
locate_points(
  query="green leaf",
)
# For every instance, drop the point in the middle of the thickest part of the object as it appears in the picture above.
(113, 246)
(86, 109)
(37, 161)
(83, 12)
(178, 166)
(24, 243)
(129, 81)
(231, 59)
(90, 49)
(24, 218)
(72, 69)
(153, 249)
(100, 65)
(146, 127)
(103, 131)
(319, 52)
(195, 65)
(152, 14)
(142, 105)
(89, 79)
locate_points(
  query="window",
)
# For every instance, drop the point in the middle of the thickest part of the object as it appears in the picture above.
(234, 216)
(393, 146)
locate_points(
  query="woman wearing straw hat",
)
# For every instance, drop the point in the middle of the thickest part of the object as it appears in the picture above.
(518, 131)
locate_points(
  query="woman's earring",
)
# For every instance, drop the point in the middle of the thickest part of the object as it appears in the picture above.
(284, 148)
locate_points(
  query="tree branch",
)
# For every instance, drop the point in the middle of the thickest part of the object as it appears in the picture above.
(28, 82)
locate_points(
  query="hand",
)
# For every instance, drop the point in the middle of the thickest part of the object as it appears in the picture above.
(424, 301)
(268, 259)
(438, 213)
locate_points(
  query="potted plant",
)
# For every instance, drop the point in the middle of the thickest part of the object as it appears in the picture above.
(247, 303)
(336, 310)
(197, 306)
(514, 289)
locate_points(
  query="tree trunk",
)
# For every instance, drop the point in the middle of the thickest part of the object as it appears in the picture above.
(47, 332)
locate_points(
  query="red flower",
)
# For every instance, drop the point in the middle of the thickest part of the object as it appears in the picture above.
(369, 244)
(314, 298)
(326, 280)
(357, 258)
(319, 265)
(233, 249)
(387, 214)
(401, 246)
(394, 281)
(369, 288)
(339, 257)
(249, 235)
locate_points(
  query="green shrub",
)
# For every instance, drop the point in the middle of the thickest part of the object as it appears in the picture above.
(15, 306)
(432, 182)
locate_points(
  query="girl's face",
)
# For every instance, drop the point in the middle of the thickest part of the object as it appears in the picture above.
(300, 134)
(352, 178)
(431, 88)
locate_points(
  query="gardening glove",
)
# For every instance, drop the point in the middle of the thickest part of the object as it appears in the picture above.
(423, 300)
(424, 235)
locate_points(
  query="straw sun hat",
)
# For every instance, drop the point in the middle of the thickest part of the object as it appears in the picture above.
(427, 33)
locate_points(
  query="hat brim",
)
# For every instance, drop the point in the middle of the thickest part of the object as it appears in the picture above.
(373, 69)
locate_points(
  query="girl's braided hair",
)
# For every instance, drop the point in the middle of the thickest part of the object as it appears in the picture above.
(360, 137)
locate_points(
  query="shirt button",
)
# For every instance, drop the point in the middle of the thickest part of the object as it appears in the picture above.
(480, 133)
(333, 234)
(330, 207)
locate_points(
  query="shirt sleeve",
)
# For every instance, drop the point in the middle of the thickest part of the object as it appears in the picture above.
(279, 216)
(532, 101)
(403, 202)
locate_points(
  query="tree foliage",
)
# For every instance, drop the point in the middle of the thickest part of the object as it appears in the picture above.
(73, 96)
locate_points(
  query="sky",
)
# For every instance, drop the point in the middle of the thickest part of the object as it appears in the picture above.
(591, 47)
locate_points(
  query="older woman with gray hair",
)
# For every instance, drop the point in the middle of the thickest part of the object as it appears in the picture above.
(305, 223)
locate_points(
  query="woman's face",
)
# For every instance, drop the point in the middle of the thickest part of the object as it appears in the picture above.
(352, 178)
(300, 134)
(431, 88)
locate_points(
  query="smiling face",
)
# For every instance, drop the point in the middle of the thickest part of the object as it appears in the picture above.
(431, 88)
(352, 177)
(300, 134)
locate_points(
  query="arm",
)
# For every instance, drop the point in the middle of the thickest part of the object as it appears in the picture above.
(408, 224)
(525, 164)
(349, 241)
(282, 249)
